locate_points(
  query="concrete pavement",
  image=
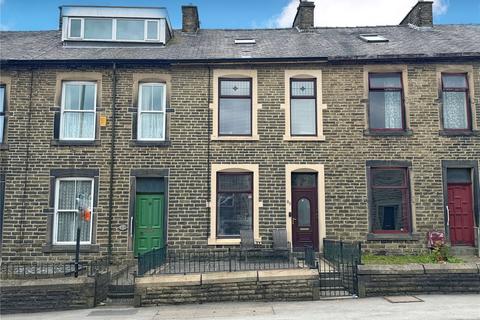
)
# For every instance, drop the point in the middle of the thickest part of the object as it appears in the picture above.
(444, 307)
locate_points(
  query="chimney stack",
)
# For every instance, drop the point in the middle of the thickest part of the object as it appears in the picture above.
(304, 17)
(190, 22)
(421, 15)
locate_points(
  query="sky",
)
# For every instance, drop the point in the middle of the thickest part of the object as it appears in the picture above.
(231, 14)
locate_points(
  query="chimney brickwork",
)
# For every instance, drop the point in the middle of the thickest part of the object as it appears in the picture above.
(304, 18)
(190, 21)
(421, 15)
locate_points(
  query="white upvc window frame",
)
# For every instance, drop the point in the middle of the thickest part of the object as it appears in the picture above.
(69, 32)
(56, 210)
(62, 111)
(164, 112)
(114, 29)
(146, 30)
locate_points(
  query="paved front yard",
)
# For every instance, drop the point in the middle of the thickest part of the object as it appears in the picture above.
(445, 307)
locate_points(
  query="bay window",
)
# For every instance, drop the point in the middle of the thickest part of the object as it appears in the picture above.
(71, 195)
(151, 111)
(78, 110)
(234, 203)
(235, 107)
(455, 96)
(386, 107)
(303, 107)
(389, 200)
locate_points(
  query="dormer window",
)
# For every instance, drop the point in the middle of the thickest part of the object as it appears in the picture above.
(118, 24)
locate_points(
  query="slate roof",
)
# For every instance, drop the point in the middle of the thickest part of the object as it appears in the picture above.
(216, 44)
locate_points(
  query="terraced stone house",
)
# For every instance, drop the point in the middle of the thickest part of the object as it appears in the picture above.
(186, 137)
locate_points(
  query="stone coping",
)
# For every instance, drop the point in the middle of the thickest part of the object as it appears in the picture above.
(419, 268)
(46, 282)
(171, 280)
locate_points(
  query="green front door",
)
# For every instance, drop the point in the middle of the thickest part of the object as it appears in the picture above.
(149, 222)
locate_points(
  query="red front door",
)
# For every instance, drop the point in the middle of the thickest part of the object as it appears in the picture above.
(460, 213)
(304, 218)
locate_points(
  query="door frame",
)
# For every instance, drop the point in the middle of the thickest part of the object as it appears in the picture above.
(146, 173)
(306, 168)
(462, 164)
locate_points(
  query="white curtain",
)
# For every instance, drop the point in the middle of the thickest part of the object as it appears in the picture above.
(454, 110)
(393, 110)
(69, 191)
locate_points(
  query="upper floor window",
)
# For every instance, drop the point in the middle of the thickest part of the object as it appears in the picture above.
(455, 96)
(122, 24)
(235, 107)
(386, 107)
(151, 111)
(78, 111)
(71, 195)
(389, 200)
(2, 113)
(303, 107)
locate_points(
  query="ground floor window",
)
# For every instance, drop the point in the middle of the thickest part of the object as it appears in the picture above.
(73, 194)
(389, 200)
(2, 199)
(234, 203)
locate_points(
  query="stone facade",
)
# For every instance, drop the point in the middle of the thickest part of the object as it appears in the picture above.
(277, 285)
(418, 279)
(32, 153)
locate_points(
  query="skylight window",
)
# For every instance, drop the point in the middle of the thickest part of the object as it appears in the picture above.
(373, 38)
(244, 41)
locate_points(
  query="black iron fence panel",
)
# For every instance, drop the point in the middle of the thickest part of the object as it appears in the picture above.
(163, 261)
(42, 270)
(338, 268)
(342, 251)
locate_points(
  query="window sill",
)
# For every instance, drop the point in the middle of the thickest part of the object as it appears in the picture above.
(3, 146)
(140, 143)
(374, 133)
(458, 133)
(74, 143)
(228, 242)
(303, 138)
(393, 236)
(84, 248)
(235, 138)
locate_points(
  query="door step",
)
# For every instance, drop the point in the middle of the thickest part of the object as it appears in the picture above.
(463, 251)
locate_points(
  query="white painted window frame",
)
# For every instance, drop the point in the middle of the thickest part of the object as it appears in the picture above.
(56, 210)
(114, 29)
(164, 112)
(62, 110)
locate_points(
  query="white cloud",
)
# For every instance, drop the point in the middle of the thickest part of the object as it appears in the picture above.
(334, 13)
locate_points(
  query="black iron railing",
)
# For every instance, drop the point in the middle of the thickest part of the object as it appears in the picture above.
(151, 260)
(41, 270)
(338, 251)
(163, 261)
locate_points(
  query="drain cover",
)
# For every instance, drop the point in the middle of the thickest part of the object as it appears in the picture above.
(402, 299)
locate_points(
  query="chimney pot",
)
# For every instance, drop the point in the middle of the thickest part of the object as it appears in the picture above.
(190, 21)
(421, 15)
(304, 18)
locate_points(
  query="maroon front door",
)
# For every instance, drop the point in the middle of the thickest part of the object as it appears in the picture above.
(304, 214)
(460, 214)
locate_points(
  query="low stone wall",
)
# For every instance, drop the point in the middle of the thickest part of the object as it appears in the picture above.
(272, 285)
(389, 280)
(35, 295)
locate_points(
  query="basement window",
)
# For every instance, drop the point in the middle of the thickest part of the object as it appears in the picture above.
(245, 41)
(373, 38)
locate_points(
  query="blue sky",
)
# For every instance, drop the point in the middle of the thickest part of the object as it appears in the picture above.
(43, 14)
